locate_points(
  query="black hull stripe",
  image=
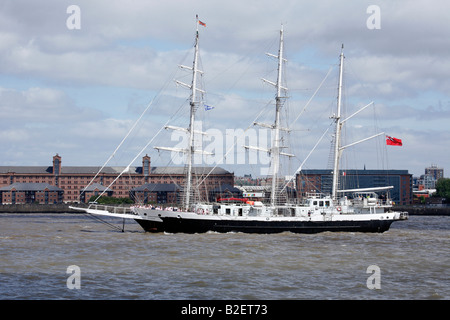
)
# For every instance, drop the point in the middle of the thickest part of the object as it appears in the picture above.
(175, 225)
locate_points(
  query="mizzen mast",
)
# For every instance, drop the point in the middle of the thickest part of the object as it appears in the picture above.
(276, 127)
(337, 137)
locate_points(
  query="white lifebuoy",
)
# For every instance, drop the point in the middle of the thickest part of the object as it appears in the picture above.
(338, 208)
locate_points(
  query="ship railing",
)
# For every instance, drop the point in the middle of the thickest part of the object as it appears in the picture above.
(371, 202)
(315, 195)
(111, 209)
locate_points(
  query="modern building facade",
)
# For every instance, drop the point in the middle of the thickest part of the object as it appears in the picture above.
(426, 183)
(436, 172)
(72, 180)
(320, 181)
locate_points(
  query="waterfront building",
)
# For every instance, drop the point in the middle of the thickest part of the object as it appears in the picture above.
(428, 180)
(23, 193)
(320, 181)
(156, 193)
(225, 191)
(94, 190)
(435, 172)
(72, 180)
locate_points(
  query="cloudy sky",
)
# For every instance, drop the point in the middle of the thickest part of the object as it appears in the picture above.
(76, 87)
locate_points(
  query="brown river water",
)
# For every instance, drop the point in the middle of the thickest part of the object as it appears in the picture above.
(40, 251)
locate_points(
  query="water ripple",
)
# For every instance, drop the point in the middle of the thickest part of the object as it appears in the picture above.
(413, 257)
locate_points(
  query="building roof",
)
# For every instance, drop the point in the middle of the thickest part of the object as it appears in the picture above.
(254, 188)
(182, 170)
(26, 169)
(108, 170)
(28, 186)
(226, 187)
(158, 187)
(96, 186)
(355, 171)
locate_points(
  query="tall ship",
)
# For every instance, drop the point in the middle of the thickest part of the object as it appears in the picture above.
(356, 210)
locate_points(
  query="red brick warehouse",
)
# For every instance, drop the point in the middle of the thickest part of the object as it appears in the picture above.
(73, 179)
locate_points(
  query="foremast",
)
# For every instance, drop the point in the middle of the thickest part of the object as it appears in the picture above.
(193, 108)
(194, 102)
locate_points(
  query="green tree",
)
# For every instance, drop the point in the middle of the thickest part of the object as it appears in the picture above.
(110, 200)
(443, 188)
(422, 199)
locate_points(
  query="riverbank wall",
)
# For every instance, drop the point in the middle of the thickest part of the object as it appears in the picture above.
(64, 208)
(37, 208)
(424, 210)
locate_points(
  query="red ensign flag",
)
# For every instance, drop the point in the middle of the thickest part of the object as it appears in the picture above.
(391, 141)
(200, 22)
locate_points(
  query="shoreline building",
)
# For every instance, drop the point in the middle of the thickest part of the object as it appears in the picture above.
(23, 193)
(157, 193)
(72, 180)
(436, 172)
(320, 181)
(425, 185)
(428, 180)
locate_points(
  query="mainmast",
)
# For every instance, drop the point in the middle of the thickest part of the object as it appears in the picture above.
(276, 143)
(337, 117)
(275, 150)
